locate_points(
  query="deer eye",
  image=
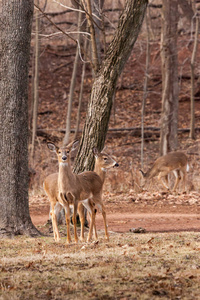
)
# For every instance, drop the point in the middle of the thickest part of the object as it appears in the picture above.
(67, 151)
(59, 151)
(105, 158)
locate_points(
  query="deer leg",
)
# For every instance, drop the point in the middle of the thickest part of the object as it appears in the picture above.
(92, 220)
(102, 209)
(105, 223)
(89, 205)
(94, 226)
(74, 222)
(92, 204)
(55, 223)
(177, 175)
(67, 217)
(163, 181)
(82, 219)
(183, 177)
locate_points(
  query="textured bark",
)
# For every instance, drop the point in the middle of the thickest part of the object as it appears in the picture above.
(170, 90)
(192, 66)
(103, 89)
(95, 59)
(15, 32)
(36, 82)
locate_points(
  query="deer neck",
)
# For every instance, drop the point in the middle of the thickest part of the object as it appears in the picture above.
(151, 172)
(65, 176)
(101, 172)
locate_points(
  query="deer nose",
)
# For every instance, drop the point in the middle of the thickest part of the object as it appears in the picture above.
(116, 165)
(64, 157)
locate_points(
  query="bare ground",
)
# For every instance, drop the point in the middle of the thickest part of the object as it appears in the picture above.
(154, 212)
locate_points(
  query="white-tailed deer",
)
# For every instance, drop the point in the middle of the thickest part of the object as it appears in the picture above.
(175, 162)
(67, 188)
(103, 162)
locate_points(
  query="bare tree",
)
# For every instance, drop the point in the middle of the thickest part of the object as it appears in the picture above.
(95, 58)
(15, 33)
(170, 88)
(97, 9)
(192, 66)
(36, 81)
(81, 93)
(145, 92)
(72, 85)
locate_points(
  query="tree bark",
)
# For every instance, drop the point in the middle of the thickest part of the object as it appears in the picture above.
(81, 93)
(192, 66)
(95, 59)
(15, 32)
(36, 82)
(99, 108)
(170, 89)
(145, 89)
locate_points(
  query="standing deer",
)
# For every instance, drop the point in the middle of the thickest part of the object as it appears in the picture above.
(175, 162)
(103, 162)
(67, 188)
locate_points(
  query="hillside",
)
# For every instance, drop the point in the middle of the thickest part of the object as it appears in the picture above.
(123, 141)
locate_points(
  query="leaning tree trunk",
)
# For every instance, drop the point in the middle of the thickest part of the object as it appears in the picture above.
(15, 32)
(170, 89)
(99, 108)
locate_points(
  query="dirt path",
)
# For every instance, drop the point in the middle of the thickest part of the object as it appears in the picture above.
(153, 216)
(151, 222)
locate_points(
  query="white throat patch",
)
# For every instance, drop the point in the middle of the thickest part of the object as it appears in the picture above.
(64, 164)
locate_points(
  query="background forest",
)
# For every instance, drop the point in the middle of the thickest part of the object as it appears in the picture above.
(139, 89)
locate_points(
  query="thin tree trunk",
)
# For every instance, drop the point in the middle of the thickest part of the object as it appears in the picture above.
(81, 94)
(72, 86)
(36, 82)
(170, 88)
(97, 9)
(192, 66)
(145, 90)
(95, 59)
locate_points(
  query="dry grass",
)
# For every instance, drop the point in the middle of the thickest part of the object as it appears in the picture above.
(130, 266)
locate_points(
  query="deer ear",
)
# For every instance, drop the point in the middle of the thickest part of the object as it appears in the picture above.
(95, 151)
(143, 174)
(52, 147)
(104, 148)
(74, 145)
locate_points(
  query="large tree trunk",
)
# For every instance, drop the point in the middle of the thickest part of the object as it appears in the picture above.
(15, 32)
(103, 89)
(170, 89)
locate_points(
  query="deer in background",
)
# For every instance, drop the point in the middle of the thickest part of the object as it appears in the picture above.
(66, 188)
(175, 162)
